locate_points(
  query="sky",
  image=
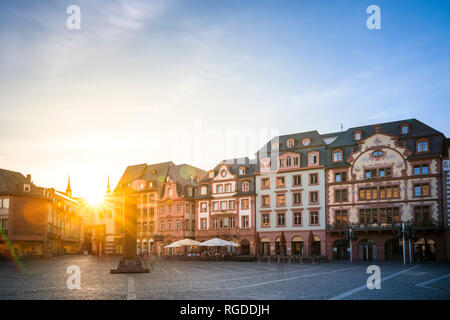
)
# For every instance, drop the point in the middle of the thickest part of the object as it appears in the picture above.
(184, 80)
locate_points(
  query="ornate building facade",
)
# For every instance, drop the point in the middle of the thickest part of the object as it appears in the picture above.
(290, 202)
(377, 178)
(226, 204)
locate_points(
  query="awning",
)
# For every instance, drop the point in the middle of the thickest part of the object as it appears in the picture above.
(216, 242)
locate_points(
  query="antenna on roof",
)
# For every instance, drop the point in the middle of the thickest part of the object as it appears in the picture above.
(342, 127)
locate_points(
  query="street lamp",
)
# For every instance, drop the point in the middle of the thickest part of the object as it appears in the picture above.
(130, 262)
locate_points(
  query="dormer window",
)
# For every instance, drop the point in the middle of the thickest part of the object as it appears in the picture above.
(404, 128)
(313, 158)
(203, 190)
(306, 142)
(241, 171)
(153, 171)
(26, 187)
(337, 156)
(422, 146)
(357, 135)
(290, 143)
(275, 146)
(211, 174)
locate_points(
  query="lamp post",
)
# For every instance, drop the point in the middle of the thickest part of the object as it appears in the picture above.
(130, 262)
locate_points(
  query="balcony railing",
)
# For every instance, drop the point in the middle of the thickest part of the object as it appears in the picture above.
(381, 226)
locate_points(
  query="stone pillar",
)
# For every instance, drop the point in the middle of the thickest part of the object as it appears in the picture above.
(130, 262)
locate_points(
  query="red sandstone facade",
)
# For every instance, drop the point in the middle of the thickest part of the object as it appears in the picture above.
(391, 176)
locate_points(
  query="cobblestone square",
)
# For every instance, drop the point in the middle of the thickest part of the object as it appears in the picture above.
(47, 279)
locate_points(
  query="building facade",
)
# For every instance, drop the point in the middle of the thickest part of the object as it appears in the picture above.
(446, 196)
(377, 178)
(156, 187)
(290, 202)
(225, 205)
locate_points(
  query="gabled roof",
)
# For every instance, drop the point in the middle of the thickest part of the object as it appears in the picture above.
(315, 140)
(417, 129)
(11, 183)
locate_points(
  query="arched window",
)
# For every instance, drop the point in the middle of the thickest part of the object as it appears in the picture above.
(290, 143)
(306, 142)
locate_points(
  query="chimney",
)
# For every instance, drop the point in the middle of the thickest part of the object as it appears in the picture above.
(29, 177)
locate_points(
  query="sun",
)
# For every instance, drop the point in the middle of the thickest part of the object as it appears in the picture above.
(94, 199)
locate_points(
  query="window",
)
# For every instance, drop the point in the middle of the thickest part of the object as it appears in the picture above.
(265, 183)
(245, 222)
(421, 169)
(421, 190)
(377, 154)
(368, 216)
(422, 146)
(370, 174)
(232, 222)
(265, 201)
(313, 158)
(203, 223)
(288, 161)
(340, 177)
(306, 142)
(178, 207)
(170, 225)
(297, 198)
(231, 204)
(192, 225)
(161, 226)
(188, 208)
(385, 173)
(389, 192)
(281, 219)
(280, 182)
(203, 190)
(281, 199)
(216, 206)
(4, 203)
(368, 193)
(220, 223)
(223, 205)
(186, 225)
(422, 214)
(241, 171)
(169, 209)
(314, 218)
(340, 195)
(162, 209)
(337, 156)
(223, 173)
(340, 217)
(290, 143)
(228, 187)
(26, 187)
(265, 220)
(211, 174)
(244, 204)
(313, 178)
(245, 186)
(296, 161)
(389, 215)
(203, 206)
(219, 188)
(170, 192)
(297, 218)
(4, 224)
(297, 180)
(178, 223)
(404, 128)
(314, 197)
(225, 223)
(357, 135)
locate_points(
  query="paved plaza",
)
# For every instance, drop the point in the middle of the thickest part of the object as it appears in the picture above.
(46, 279)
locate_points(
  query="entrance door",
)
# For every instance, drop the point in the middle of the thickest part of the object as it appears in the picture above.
(367, 250)
(341, 250)
(265, 246)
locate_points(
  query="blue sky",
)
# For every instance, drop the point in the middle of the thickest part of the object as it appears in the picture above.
(92, 101)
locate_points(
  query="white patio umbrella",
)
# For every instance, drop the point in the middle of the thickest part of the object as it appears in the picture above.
(216, 242)
(172, 245)
(187, 242)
